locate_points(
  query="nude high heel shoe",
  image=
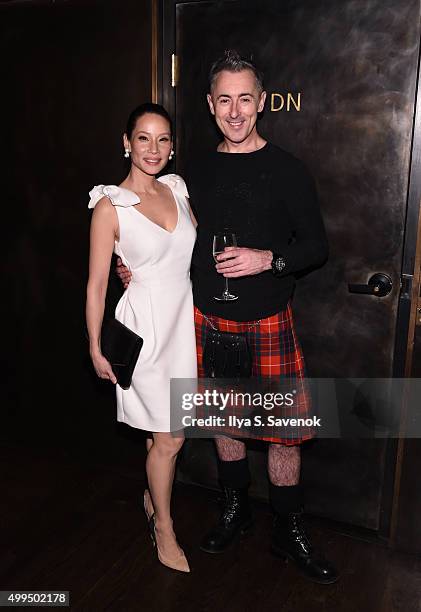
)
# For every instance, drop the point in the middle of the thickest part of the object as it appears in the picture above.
(179, 563)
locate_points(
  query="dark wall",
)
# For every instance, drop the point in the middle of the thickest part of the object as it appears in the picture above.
(73, 71)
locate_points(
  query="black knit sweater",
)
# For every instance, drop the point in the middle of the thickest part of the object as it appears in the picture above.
(269, 200)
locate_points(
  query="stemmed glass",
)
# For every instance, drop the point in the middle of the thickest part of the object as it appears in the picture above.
(221, 240)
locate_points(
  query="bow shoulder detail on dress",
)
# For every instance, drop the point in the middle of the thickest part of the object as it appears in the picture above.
(117, 195)
(175, 183)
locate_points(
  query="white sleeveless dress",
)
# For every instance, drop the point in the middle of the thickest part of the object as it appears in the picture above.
(157, 305)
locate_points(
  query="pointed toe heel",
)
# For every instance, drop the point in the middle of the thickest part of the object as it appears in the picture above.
(179, 564)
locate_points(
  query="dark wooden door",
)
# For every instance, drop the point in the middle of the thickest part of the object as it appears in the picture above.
(341, 79)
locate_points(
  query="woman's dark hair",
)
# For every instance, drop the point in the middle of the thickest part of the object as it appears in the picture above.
(143, 109)
(233, 62)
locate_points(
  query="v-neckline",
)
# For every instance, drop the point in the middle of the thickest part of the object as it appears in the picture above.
(153, 222)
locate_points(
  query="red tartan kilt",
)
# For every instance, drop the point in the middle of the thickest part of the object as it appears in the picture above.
(275, 351)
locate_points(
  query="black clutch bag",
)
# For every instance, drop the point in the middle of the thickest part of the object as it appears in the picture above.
(121, 346)
(226, 355)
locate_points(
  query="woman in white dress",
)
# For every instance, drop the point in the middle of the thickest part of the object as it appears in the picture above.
(148, 223)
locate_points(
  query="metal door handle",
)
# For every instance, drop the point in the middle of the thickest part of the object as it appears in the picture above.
(379, 285)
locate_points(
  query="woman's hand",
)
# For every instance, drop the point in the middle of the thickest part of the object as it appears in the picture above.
(103, 367)
(123, 273)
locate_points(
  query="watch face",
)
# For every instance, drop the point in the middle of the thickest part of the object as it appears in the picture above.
(279, 264)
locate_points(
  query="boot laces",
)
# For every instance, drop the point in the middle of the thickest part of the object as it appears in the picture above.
(299, 533)
(231, 507)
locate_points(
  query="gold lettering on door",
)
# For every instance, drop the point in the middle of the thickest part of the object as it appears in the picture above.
(277, 101)
(272, 102)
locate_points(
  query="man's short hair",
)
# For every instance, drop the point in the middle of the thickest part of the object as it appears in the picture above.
(233, 62)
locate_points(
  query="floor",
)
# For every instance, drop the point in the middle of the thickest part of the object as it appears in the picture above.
(72, 523)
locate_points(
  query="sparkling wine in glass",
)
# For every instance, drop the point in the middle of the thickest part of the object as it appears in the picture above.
(221, 240)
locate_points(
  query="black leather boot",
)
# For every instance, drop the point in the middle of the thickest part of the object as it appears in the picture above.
(235, 519)
(291, 542)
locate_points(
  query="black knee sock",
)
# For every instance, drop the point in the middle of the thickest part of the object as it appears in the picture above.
(286, 499)
(234, 474)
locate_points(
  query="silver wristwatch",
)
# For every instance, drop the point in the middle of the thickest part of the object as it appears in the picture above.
(278, 264)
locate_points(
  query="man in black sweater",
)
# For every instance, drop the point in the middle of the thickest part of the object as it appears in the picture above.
(269, 199)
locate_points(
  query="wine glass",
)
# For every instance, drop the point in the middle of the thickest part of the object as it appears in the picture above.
(221, 240)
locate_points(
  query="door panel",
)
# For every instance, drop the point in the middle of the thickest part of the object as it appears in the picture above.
(351, 69)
